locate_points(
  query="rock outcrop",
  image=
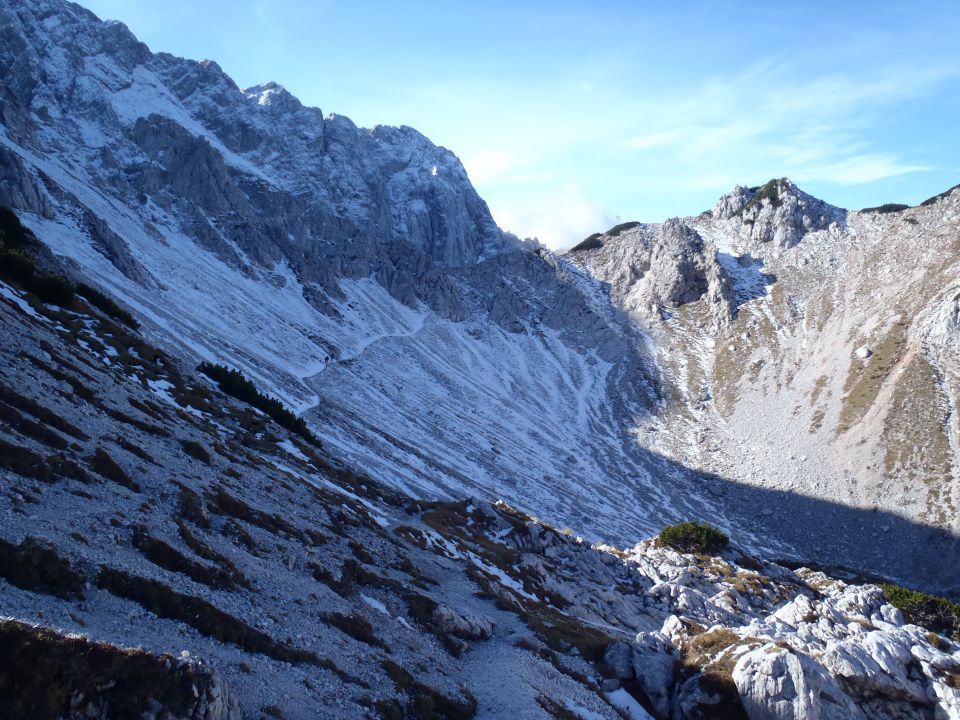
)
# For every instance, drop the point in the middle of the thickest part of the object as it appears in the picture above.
(651, 270)
(778, 214)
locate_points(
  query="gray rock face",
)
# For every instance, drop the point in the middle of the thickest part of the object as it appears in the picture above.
(679, 265)
(177, 137)
(778, 213)
(618, 660)
(469, 627)
(654, 665)
(652, 268)
(357, 276)
(776, 684)
(244, 227)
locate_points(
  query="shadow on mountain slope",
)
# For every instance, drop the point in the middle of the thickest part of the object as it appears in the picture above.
(747, 276)
(866, 543)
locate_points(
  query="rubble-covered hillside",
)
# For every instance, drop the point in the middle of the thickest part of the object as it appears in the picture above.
(809, 350)
(152, 522)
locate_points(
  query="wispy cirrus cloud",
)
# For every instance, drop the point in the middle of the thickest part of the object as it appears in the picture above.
(625, 150)
(765, 119)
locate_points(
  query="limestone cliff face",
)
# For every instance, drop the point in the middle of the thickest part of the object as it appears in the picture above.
(354, 273)
(777, 214)
(251, 175)
(652, 270)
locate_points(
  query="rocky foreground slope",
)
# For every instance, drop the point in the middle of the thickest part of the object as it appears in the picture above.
(259, 577)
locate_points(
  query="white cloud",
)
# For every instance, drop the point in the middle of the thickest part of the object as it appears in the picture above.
(559, 219)
(773, 120)
(858, 170)
(486, 166)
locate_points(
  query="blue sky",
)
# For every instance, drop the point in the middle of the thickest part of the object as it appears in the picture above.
(571, 117)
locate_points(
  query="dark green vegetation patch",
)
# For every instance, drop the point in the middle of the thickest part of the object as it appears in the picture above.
(106, 305)
(17, 265)
(768, 191)
(886, 208)
(932, 200)
(233, 383)
(693, 537)
(622, 227)
(929, 611)
(590, 243)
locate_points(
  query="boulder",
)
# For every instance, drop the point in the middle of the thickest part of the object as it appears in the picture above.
(618, 661)
(467, 627)
(654, 666)
(879, 664)
(777, 684)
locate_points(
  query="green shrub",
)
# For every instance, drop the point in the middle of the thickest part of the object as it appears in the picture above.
(106, 305)
(886, 208)
(16, 265)
(233, 383)
(590, 243)
(769, 191)
(51, 289)
(693, 536)
(929, 611)
(932, 200)
(622, 227)
(12, 231)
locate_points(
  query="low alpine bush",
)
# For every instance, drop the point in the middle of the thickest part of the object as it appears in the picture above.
(692, 537)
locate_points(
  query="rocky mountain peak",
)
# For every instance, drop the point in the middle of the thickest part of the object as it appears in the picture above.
(370, 336)
(273, 96)
(653, 269)
(252, 176)
(776, 213)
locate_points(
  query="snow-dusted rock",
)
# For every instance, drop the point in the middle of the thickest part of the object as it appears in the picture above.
(879, 664)
(467, 627)
(649, 267)
(654, 666)
(777, 684)
(618, 660)
(778, 213)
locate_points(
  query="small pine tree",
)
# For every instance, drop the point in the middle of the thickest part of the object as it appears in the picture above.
(15, 265)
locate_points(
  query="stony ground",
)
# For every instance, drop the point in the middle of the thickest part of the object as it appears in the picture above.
(145, 509)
